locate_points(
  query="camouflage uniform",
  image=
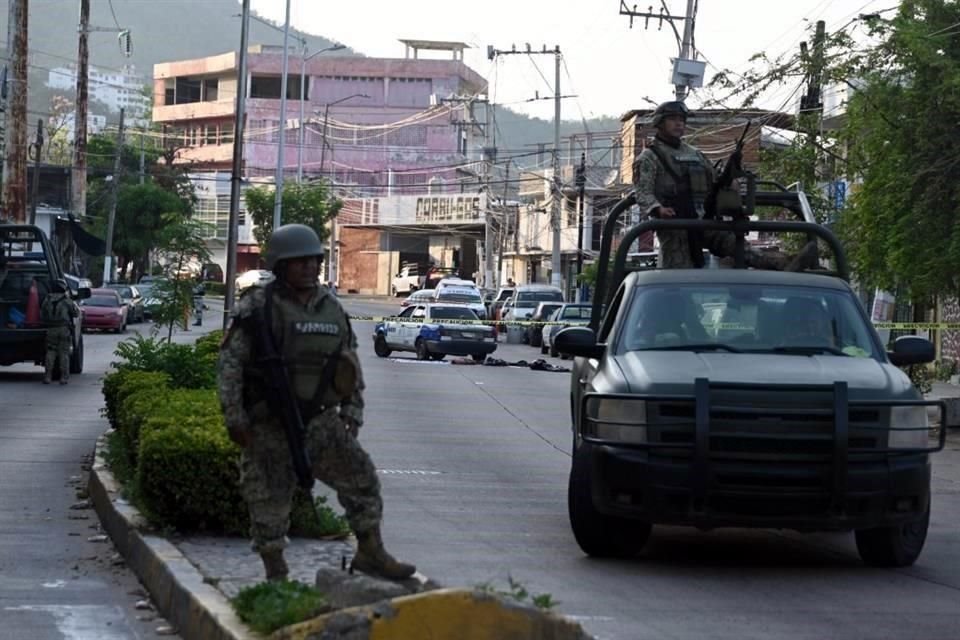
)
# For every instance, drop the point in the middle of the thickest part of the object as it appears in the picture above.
(320, 327)
(653, 183)
(56, 312)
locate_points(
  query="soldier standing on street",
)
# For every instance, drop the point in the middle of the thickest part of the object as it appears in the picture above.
(672, 179)
(56, 313)
(310, 328)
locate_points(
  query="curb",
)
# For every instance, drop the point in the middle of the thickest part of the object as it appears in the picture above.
(196, 609)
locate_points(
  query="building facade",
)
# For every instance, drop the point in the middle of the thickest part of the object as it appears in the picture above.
(118, 88)
(374, 127)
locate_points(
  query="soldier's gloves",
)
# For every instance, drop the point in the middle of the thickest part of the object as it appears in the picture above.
(351, 425)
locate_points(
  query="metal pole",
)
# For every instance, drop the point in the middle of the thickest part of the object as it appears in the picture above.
(681, 89)
(35, 187)
(236, 175)
(142, 159)
(581, 197)
(278, 195)
(15, 181)
(79, 172)
(557, 271)
(108, 271)
(323, 138)
(303, 68)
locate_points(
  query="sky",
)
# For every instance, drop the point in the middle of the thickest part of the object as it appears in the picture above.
(610, 67)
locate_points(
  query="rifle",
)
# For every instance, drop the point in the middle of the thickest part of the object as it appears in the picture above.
(732, 168)
(279, 393)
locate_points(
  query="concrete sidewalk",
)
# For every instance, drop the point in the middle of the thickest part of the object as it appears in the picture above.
(950, 395)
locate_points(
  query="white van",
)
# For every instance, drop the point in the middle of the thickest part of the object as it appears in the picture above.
(525, 299)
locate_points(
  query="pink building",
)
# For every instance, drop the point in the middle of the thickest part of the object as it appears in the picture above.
(398, 125)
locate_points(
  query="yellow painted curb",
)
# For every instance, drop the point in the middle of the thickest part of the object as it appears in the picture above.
(445, 614)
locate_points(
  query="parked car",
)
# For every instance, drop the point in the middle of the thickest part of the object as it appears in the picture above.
(407, 280)
(567, 315)
(253, 278)
(433, 331)
(534, 332)
(422, 296)
(104, 310)
(133, 299)
(146, 287)
(466, 295)
(526, 298)
(211, 272)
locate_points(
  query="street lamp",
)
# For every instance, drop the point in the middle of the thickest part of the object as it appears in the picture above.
(303, 66)
(331, 260)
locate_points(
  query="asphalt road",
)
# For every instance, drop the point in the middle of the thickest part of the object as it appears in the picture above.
(58, 580)
(474, 464)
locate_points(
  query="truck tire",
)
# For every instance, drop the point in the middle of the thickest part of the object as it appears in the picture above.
(421, 349)
(898, 546)
(597, 534)
(380, 346)
(76, 358)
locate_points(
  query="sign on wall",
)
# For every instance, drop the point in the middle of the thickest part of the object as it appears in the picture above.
(426, 210)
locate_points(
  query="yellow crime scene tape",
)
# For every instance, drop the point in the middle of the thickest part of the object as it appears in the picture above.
(735, 326)
(362, 318)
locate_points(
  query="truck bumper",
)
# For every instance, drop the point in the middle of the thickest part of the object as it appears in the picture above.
(22, 345)
(646, 486)
(461, 347)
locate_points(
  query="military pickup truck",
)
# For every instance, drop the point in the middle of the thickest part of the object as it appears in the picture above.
(744, 398)
(26, 257)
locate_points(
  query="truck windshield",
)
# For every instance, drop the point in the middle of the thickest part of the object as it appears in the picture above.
(800, 321)
(530, 299)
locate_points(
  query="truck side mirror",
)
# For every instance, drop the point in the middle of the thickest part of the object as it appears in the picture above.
(83, 293)
(578, 341)
(909, 350)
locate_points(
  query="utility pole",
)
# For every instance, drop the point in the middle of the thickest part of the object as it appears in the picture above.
(15, 175)
(142, 159)
(108, 271)
(78, 178)
(503, 224)
(236, 175)
(278, 191)
(37, 148)
(687, 70)
(555, 256)
(811, 104)
(581, 197)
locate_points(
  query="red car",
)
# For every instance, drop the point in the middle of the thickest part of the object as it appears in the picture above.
(104, 310)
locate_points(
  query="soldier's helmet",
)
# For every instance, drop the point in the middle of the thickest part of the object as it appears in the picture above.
(672, 108)
(292, 241)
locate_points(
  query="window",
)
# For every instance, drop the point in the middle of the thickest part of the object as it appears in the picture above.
(188, 90)
(211, 89)
(452, 313)
(226, 133)
(268, 87)
(775, 319)
(211, 134)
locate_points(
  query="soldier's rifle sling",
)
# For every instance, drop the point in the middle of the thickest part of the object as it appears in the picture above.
(282, 401)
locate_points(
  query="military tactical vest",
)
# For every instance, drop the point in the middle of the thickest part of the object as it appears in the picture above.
(685, 163)
(312, 344)
(55, 310)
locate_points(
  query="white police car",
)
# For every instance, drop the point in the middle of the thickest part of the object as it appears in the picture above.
(466, 294)
(433, 331)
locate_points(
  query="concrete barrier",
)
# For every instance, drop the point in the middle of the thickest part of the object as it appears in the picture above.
(445, 614)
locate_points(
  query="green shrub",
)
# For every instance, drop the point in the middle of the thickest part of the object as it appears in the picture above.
(320, 521)
(209, 344)
(188, 366)
(118, 385)
(187, 474)
(269, 606)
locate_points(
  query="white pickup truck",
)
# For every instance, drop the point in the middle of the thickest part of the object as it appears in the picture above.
(407, 281)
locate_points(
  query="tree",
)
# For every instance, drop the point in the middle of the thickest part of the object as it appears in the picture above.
(308, 204)
(899, 138)
(59, 147)
(182, 249)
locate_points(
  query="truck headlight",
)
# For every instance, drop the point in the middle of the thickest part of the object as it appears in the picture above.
(617, 419)
(915, 428)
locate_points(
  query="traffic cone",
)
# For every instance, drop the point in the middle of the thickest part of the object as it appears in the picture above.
(33, 307)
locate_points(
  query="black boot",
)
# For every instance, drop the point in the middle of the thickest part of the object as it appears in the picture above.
(373, 559)
(275, 565)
